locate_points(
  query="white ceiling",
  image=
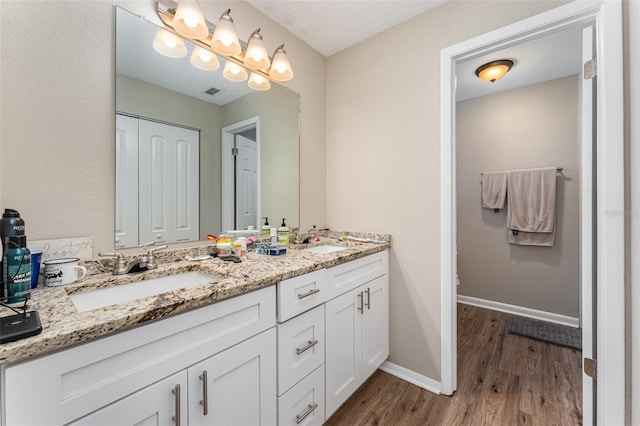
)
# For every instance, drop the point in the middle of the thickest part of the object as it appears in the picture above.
(330, 26)
(547, 58)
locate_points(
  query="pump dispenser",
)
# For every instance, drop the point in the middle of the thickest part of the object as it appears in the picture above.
(265, 228)
(283, 234)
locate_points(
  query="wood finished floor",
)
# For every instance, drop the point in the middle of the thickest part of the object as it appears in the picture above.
(503, 379)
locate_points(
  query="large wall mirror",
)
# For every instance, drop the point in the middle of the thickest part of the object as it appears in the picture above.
(197, 154)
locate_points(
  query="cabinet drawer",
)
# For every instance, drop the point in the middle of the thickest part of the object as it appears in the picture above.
(300, 347)
(299, 294)
(350, 275)
(74, 382)
(304, 403)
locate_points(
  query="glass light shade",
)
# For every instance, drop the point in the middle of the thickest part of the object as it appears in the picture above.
(234, 72)
(169, 44)
(204, 59)
(224, 39)
(495, 70)
(258, 82)
(256, 55)
(280, 67)
(189, 21)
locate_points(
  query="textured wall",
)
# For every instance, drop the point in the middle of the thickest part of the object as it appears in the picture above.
(530, 127)
(383, 156)
(57, 161)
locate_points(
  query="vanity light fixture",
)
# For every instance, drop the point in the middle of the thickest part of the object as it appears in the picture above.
(258, 82)
(280, 67)
(169, 44)
(223, 42)
(234, 72)
(256, 55)
(204, 59)
(495, 70)
(189, 20)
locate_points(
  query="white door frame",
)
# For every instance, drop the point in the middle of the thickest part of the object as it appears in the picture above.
(228, 135)
(607, 16)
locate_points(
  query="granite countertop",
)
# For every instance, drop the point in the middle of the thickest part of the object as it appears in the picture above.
(63, 325)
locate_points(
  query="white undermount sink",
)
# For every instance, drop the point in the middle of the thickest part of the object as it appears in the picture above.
(324, 249)
(124, 293)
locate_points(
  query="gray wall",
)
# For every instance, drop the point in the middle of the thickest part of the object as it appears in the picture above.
(149, 101)
(279, 166)
(529, 127)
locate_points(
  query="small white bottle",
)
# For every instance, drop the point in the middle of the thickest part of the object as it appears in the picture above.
(273, 237)
(240, 247)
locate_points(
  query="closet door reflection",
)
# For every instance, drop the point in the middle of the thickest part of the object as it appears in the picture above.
(157, 176)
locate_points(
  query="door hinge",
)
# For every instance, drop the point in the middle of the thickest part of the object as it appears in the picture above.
(591, 69)
(591, 368)
(234, 151)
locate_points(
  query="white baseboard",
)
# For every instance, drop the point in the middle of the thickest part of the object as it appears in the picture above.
(519, 310)
(410, 376)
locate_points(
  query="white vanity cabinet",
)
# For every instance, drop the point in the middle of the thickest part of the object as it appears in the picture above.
(233, 340)
(357, 328)
(333, 333)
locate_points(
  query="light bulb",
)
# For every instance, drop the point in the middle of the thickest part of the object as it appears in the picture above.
(203, 59)
(189, 20)
(225, 40)
(169, 44)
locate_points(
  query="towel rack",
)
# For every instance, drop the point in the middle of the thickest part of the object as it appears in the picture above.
(558, 170)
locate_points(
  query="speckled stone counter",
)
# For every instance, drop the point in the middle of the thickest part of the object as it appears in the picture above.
(63, 325)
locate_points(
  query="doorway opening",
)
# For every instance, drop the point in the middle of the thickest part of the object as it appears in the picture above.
(607, 192)
(240, 175)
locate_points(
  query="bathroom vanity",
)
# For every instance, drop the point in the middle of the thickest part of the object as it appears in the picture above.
(274, 341)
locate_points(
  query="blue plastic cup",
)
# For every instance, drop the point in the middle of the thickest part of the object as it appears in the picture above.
(36, 258)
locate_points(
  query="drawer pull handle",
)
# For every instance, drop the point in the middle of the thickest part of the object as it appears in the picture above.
(361, 303)
(311, 344)
(176, 418)
(310, 408)
(205, 394)
(368, 291)
(309, 293)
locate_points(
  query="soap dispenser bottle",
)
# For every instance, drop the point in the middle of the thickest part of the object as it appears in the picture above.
(265, 228)
(283, 234)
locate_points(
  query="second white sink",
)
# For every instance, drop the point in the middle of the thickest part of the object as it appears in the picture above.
(324, 249)
(124, 293)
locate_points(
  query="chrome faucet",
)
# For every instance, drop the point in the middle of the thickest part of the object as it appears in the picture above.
(145, 262)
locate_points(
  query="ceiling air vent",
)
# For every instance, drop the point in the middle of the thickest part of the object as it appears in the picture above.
(212, 91)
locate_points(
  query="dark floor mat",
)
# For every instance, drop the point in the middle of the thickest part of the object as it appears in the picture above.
(547, 332)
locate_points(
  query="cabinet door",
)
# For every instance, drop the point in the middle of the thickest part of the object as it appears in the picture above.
(155, 405)
(375, 325)
(343, 360)
(300, 347)
(304, 403)
(237, 386)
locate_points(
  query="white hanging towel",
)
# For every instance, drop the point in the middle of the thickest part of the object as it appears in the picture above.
(494, 190)
(531, 216)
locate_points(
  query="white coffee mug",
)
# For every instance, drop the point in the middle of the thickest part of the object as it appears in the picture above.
(63, 271)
